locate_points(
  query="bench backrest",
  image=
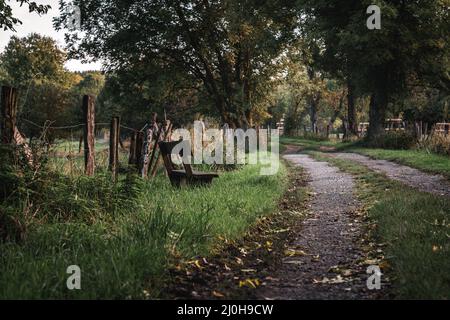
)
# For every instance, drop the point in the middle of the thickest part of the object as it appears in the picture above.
(167, 151)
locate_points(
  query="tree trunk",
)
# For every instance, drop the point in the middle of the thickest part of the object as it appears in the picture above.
(9, 98)
(351, 110)
(377, 112)
(378, 103)
(313, 114)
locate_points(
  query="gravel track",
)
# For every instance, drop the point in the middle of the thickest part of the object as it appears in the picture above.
(323, 261)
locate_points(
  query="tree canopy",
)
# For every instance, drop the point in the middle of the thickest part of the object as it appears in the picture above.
(8, 21)
(230, 47)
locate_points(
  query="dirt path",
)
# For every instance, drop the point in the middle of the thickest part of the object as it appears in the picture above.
(422, 181)
(323, 261)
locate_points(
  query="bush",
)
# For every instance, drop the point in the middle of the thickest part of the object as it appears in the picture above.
(314, 137)
(437, 143)
(393, 140)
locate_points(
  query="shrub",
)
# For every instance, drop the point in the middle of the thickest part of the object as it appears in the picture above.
(314, 137)
(437, 143)
(393, 140)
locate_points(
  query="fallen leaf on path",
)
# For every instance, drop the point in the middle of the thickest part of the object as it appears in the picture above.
(197, 264)
(293, 262)
(217, 294)
(281, 230)
(269, 278)
(371, 261)
(294, 253)
(326, 280)
(251, 283)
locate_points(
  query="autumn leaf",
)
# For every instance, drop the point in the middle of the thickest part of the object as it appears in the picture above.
(196, 263)
(251, 283)
(294, 253)
(217, 294)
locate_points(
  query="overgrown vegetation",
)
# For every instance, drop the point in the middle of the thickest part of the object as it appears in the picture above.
(414, 227)
(437, 143)
(401, 140)
(122, 236)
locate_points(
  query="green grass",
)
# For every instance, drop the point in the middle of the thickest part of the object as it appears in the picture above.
(415, 227)
(64, 157)
(125, 252)
(309, 144)
(421, 160)
(418, 159)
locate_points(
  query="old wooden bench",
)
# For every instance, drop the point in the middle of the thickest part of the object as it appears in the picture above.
(188, 176)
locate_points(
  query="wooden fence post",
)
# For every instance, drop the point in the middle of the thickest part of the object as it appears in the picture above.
(139, 143)
(145, 154)
(132, 155)
(164, 137)
(114, 134)
(155, 147)
(9, 113)
(89, 135)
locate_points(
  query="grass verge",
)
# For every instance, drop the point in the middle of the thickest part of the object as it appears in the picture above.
(125, 253)
(238, 267)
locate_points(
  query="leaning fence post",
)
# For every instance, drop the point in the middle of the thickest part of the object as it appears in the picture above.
(145, 154)
(165, 136)
(9, 113)
(114, 134)
(89, 137)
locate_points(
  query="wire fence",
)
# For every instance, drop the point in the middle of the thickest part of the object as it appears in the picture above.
(66, 149)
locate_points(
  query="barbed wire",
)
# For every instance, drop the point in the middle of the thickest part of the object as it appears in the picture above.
(50, 127)
(128, 128)
(71, 126)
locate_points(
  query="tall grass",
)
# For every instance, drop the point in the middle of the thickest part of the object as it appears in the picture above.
(124, 236)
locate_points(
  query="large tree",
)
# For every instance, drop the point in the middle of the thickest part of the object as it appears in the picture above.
(33, 58)
(35, 65)
(231, 47)
(412, 40)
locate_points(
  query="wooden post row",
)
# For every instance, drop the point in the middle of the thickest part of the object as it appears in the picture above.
(114, 136)
(132, 155)
(9, 113)
(89, 135)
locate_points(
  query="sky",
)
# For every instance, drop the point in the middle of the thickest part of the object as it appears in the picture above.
(32, 22)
